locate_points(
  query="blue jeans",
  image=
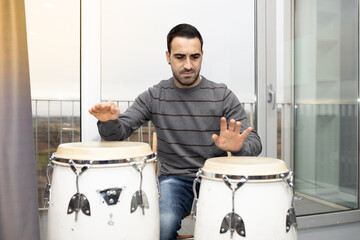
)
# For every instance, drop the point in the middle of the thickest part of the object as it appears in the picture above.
(175, 203)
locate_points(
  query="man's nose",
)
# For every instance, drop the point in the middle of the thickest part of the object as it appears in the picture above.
(188, 65)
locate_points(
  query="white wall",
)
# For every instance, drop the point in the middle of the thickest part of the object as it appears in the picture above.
(133, 43)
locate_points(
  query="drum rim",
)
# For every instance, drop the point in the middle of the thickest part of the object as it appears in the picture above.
(60, 161)
(249, 178)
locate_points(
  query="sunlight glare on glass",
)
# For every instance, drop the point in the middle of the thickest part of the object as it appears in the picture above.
(60, 96)
(49, 5)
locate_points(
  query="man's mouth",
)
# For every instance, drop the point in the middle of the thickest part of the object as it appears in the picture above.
(189, 73)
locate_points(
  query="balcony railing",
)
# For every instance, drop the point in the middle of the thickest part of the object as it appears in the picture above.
(58, 121)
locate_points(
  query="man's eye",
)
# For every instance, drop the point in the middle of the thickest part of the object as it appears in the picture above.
(180, 57)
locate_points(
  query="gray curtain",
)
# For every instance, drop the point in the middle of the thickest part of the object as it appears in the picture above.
(19, 218)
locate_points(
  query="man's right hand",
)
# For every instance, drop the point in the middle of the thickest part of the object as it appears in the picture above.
(105, 111)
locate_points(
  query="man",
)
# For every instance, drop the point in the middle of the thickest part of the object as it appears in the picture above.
(190, 116)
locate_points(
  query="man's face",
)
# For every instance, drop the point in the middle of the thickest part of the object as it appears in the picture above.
(185, 59)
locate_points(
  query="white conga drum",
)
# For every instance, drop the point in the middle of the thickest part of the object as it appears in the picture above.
(245, 198)
(103, 190)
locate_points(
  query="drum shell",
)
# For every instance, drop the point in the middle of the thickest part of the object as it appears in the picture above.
(262, 205)
(106, 221)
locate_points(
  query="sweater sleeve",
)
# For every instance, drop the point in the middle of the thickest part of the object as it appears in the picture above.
(133, 118)
(233, 109)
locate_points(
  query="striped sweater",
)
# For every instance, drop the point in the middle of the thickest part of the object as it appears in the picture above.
(184, 121)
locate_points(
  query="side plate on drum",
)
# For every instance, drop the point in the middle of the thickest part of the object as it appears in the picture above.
(233, 221)
(139, 199)
(79, 201)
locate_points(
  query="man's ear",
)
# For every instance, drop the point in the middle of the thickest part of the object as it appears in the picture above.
(168, 57)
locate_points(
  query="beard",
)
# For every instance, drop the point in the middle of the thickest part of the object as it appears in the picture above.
(186, 81)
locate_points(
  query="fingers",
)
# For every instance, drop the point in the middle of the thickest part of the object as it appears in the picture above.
(246, 132)
(237, 127)
(97, 108)
(215, 138)
(223, 124)
(113, 109)
(103, 106)
(234, 126)
(230, 137)
(105, 111)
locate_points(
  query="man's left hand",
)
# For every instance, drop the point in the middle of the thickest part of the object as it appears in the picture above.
(230, 139)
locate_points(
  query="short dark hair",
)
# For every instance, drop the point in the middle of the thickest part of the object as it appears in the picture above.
(183, 30)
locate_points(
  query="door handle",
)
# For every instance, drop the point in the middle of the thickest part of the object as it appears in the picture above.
(270, 95)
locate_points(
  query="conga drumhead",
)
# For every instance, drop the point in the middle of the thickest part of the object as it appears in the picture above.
(253, 167)
(102, 150)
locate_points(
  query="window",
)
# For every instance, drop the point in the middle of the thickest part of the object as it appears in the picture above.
(326, 106)
(53, 29)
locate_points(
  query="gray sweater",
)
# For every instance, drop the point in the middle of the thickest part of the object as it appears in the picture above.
(184, 121)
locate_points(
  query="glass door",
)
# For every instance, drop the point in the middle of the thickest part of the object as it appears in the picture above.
(326, 93)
